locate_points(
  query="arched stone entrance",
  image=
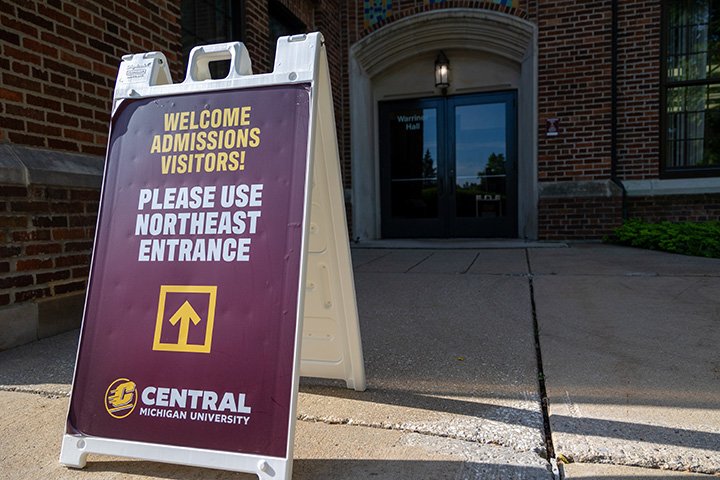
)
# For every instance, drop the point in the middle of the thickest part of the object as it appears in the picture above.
(489, 51)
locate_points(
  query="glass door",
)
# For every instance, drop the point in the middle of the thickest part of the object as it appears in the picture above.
(447, 166)
(482, 165)
(410, 168)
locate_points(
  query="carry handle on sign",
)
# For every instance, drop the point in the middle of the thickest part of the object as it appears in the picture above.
(221, 269)
(201, 57)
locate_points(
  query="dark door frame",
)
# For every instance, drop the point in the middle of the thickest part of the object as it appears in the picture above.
(448, 224)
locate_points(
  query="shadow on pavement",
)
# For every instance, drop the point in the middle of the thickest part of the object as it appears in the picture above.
(636, 432)
(157, 470)
(427, 401)
(578, 426)
(307, 469)
(421, 470)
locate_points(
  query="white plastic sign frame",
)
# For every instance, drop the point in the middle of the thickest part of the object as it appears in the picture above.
(330, 344)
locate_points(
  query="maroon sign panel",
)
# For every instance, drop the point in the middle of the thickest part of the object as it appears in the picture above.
(189, 330)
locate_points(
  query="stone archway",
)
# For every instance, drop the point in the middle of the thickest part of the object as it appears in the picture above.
(469, 32)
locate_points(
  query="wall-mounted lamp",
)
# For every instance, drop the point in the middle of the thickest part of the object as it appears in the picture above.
(442, 71)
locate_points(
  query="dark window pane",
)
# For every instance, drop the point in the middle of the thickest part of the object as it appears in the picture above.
(692, 40)
(413, 163)
(692, 84)
(693, 126)
(480, 157)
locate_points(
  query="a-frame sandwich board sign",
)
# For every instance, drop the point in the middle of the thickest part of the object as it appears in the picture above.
(221, 228)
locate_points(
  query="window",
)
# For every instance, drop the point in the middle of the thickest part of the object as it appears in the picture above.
(691, 87)
(205, 22)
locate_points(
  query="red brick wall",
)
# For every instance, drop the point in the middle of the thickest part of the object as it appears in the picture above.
(58, 63)
(574, 72)
(580, 218)
(257, 35)
(306, 10)
(406, 8)
(46, 236)
(329, 21)
(638, 110)
(348, 27)
(638, 89)
(574, 86)
(676, 208)
(257, 30)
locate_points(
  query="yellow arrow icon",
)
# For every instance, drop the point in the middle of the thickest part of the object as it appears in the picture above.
(185, 317)
(185, 314)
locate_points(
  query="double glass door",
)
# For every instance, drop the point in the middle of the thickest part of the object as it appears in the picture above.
(448, 166)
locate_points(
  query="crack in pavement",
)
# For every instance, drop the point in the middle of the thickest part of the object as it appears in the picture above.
(415, 428)
(35, 391)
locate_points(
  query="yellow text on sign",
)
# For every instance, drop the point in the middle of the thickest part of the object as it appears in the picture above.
(187, 318)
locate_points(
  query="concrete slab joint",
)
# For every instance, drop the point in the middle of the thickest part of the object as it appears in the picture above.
(629, 361)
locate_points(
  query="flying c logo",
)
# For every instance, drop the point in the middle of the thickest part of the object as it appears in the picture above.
(121, 398)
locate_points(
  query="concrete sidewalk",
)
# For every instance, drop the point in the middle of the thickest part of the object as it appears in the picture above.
(629, 346)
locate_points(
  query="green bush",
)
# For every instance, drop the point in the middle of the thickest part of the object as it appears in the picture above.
(701, 239)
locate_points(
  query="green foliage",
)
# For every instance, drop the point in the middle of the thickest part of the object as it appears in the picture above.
(495, 164)
(701, 239)
(428, 166)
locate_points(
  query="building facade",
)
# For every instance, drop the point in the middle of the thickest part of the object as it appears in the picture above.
(598, 109)
(455, 118)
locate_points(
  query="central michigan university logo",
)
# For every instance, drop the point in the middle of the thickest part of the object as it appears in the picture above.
(121, 398)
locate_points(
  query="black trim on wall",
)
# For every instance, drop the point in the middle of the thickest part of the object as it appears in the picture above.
(613, 108)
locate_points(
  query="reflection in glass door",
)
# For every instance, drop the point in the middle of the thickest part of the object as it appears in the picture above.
(482, 165)
(410, 187)
(448, 166)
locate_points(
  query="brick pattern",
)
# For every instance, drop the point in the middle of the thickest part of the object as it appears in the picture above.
(46, 235)
(256, 18)
(342, 117)
(578, 218)
(58, 63)
(574, 86)
(405, 8)
(257, 35)
(638, 105)
(695, 208)
(330, 24)
(306, 10)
